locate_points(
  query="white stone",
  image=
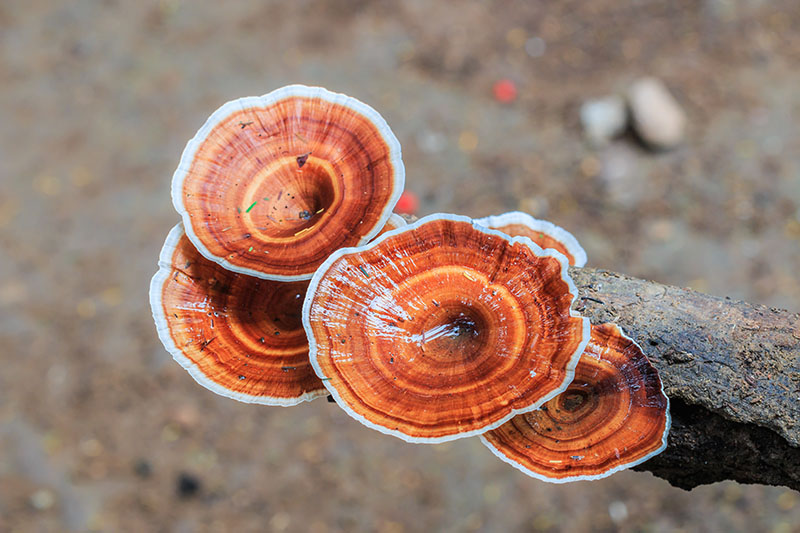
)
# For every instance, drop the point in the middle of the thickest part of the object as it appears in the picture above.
(618, 511)
(42, 500)
(535, 47)
(655, 114)
(603, 119)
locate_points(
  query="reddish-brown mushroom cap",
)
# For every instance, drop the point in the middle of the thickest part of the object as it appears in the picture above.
(443, 329)
(395, 221)
(544, 233)
(613, 416)
(239, 336)
(271, 186)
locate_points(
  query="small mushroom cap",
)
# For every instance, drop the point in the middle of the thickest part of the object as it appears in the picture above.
(544, 233)
(271, 186)
(395, 221)
(443, 329)
(239, 336)
(614, 415)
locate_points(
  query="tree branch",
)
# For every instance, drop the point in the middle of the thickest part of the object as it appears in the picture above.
(730, 368)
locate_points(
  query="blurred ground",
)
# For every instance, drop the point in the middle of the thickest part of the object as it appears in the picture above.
(98, 426)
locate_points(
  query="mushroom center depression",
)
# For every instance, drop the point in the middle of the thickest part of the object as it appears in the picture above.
(573, 400)
(286, 308)
(453, 333)
(291, 197)
(580, 404)
(444, 337)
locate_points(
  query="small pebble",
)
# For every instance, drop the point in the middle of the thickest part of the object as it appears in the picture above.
(603, 119)
(621, 175)
(280, 521)
(618, 512)
(13, 292)
(467, 141)
(431, 142)
(187, 485)
(787, 500)
(535, 47)
(47, 185)
(590, 166)
(81, 176)
(42, 500)
(86, 308)
(185, 415)
(91, 448)
(516, 37)
(142, 468)
(655, 114)
(112, 296)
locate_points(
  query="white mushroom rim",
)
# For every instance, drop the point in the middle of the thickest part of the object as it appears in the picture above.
(538, 251)
(539, 226)
(397, 221)
(165, 269)
(607, 473)
(283, 93)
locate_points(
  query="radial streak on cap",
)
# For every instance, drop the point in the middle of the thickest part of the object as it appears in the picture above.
(270, 186)
(544, 233)
(239, 336)
(613, 416)
(443, 329)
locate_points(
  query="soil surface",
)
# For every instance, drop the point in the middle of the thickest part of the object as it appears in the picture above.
(101, 431)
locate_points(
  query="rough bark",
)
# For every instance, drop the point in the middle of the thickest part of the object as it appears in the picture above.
(730, 368)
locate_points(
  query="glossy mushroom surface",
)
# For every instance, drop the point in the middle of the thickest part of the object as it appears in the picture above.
(270, 186)
(614, 415)
(239, 336)
(544, 233)
(443, 329)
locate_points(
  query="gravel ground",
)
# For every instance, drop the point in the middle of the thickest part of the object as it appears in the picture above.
(101, 431)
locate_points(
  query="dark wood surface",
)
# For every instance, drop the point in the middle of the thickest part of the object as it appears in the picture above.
(730, 368)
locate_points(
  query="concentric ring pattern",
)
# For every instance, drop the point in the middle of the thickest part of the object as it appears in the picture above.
(544, 233)
(613, 416)
(271, 186)
(443, 328)
(241, 337)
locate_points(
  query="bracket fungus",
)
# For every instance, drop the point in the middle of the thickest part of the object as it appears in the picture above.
(544, 233)
(613, 416)
(239, 336)
(395, 221)
(270, 186)
(437, 330)
(443, 329)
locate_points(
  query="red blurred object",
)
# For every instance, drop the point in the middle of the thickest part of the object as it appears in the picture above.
(407, 204)
(505, 91)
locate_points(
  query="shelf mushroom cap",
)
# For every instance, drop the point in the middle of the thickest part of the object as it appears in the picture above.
(395, 221)
(544, 233)
(239, 336)
(613, 416)
(270, 186)
(443, 329)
